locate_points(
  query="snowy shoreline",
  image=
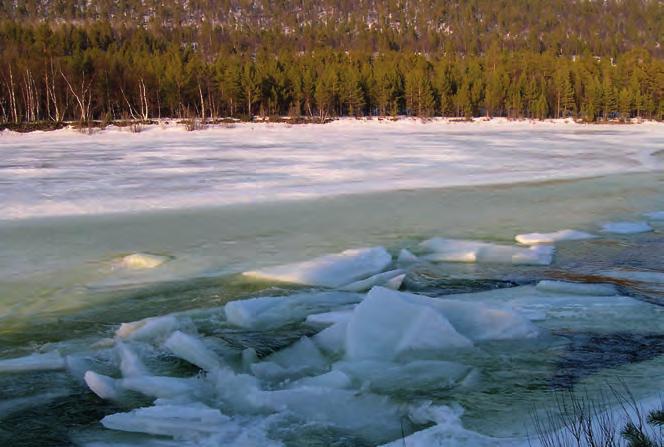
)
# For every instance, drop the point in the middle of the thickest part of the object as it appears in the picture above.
(137, 126)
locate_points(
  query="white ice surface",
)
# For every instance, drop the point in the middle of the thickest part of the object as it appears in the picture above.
(454, 250)
(550, 238)
(64, 172)
(626, 227)
(333, 270)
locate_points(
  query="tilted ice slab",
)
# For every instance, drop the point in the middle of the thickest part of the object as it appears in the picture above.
(192, 350)
(275, 311)
(406, 257)
(391, 279)
(169, 420)
(385, 326)
(140, 261)
(333, 270)
(153, 328)
(626, 227)
(389, 325)
(34, 362)
(453, 250)
(301, 358)
(575, 288)
(550, 238)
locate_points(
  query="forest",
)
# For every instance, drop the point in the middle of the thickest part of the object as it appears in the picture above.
(102, 60)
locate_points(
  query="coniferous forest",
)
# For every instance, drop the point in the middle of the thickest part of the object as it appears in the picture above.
(105, 60)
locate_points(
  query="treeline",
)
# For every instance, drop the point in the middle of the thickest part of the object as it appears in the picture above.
(102, 71)
(600, 27)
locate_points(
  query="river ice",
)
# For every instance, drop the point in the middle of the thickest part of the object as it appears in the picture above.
(64, 172)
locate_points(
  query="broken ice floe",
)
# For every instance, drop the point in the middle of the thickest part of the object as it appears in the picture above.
(550, 238)
(626, 227)
(391, 279)
(333, 270)
(453, 250)
(271, 312)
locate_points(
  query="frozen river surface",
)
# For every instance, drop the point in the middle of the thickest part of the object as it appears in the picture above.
(64, 172)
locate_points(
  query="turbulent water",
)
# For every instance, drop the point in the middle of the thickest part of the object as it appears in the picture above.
(467, 366)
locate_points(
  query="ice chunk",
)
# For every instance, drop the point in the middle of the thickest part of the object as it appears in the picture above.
(333, 270)
(626, 227)
(271, 312)
(103, 386)
(328, 318)
(396, 282)
(655, 215)
(550, 238)
(452, 250)
(406, 257)
(148, 328)
(388, 377)
(161, 386)
(34, 362)
(332, 339)
(375, 280)
(574, 288)
(193, 350)
(168, 420)
(130, 364)
(476, 320)
(385, 326)
(140, 261)
(369, 415)
(302, 357)
(332, 379)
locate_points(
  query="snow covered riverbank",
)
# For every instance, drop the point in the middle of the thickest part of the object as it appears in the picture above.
(164, 167)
